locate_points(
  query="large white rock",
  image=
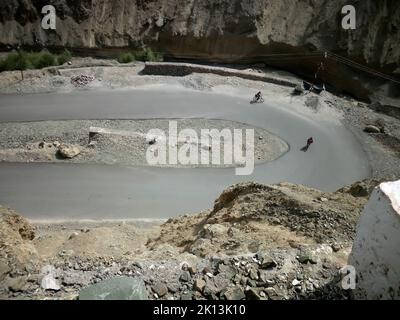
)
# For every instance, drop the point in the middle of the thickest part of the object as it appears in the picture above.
(49, 283)
(376, 249)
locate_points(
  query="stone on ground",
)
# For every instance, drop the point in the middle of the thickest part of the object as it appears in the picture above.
(118, 288)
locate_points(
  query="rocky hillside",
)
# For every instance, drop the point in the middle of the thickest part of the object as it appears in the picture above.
(211, 28)
(280, 241)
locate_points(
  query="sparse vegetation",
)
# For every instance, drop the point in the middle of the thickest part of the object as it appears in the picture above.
(126, 57)
(144, 55)
(22, 60)
(148, 55)
(64, 57)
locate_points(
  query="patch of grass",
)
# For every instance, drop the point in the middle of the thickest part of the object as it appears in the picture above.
(148, 55)
(22, 60)
(45, 60)
(64, 57)
(126, 57)
(143, 55)
(15, 61)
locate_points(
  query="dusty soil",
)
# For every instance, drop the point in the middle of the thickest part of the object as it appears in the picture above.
(126, 144)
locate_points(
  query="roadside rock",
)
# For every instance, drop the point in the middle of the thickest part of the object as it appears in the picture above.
(266, 261)
(68, 151)
(17, 284)
(73, 278)
(372, 129)
(119, 288)
(160, 289)
(361, 188)
(234, 293)
(50, 283)
(199, 285)
(214, 231)
(307, 257)
(252, 294)
(73, 235)
(185, 276)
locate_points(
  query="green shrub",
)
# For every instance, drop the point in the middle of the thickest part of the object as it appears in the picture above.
(64, 57)
(15, 61)
(46, 60)
(148, 55)
(126, 57)
(22, 60)
(33, 59)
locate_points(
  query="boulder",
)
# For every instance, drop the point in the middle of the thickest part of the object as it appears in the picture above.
(185, 276)
(73, 235)
(118, 288)
(298, 90)
(266, 261)
(307, 257)
(199, 285)
(73, 278)
(68, 151)
(372, 129)
(253, 294)
(17, 284)
(211, 231)
(160, 289)
(49, 283)
(234, 293)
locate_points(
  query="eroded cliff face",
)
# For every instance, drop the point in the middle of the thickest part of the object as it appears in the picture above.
(222, 30)
(235, 28)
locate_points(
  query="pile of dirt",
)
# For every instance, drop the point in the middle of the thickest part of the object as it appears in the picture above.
(281, 241)
(18, 256)
(249, 217)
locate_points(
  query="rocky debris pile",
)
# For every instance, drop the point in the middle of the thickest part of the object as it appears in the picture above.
(248, 217)
(280, 241)
(48, 278)
(362, 188)
(18, 256)
(377, 126)
(81, 80)
(309, 272)
(68, 151)
(391, 111)
(119, 288)
(277, 274)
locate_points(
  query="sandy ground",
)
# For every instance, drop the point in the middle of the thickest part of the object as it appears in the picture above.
(126, 144)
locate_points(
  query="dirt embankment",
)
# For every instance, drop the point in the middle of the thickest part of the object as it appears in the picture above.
(258, 242)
